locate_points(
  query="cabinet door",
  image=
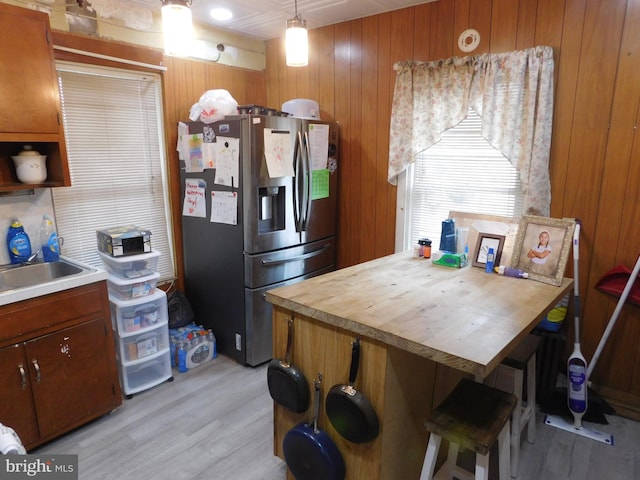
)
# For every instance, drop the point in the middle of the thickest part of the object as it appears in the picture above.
(71, 376)
(28, 91)
(16, 402)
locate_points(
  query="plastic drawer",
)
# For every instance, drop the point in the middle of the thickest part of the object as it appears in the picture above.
(131, 289)
(130, 317)
(142, 345)
(131, 266)
(143, 375)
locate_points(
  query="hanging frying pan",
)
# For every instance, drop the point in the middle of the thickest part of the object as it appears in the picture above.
(310, 453)
(349, 411)
(287, 385)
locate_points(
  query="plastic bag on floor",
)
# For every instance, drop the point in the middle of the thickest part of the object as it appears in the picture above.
(180, 311)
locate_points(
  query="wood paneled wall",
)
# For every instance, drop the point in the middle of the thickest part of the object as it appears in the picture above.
(595, 158)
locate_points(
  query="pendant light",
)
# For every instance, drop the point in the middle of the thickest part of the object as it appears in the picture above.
(177, 27)
(297, 42)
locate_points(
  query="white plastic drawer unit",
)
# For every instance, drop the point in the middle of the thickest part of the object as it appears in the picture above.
(133, 317)
(131, 266)
(137, 377)
(141, 346)
(132, 289)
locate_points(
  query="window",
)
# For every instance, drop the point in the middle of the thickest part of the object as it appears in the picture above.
(115, 144)
(462, 172)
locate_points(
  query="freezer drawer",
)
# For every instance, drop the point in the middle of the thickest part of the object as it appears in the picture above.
(276, 266)
(258, 340)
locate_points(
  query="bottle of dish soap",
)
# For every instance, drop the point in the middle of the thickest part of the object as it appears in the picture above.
(18, 243)
(49, 240)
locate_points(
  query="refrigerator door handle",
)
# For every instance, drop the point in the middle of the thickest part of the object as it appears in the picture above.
(297, 200)
(307, 179)
(304, 256)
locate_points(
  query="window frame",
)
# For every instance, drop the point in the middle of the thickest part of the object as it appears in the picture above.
(168, 272)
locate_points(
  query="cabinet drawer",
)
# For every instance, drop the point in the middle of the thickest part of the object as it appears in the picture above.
(136, 348)
(133, 316)
(142, 376)
(29, 318)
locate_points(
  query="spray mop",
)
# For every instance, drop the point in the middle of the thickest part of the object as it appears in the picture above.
(578, 372)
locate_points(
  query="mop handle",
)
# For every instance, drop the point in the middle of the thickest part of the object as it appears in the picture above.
(614, 317)
(576, 281)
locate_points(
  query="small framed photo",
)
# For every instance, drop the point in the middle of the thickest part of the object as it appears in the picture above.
(542, 247)
(484, 243)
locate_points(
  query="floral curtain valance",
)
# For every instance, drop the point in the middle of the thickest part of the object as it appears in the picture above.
(512, 92)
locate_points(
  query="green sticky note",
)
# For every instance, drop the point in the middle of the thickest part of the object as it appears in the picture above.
(320, 184)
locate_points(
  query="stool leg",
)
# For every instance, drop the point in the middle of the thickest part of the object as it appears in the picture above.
(430, 457)
(518, 380)
(482, 467)
(531, 398)
(504, 453)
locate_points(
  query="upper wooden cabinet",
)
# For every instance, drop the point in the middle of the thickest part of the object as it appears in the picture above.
(29, 96)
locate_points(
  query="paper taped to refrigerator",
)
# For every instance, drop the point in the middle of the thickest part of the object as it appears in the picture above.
(224, 207)
(227, 161)
(195, 158)
(320, 184)
(194, 204)
(319, 145)
(183, 141)
(277, 150)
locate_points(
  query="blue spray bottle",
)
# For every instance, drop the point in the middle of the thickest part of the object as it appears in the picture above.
(490, 261)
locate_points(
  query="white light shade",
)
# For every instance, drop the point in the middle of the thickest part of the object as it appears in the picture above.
(177, 27)
(297, 43)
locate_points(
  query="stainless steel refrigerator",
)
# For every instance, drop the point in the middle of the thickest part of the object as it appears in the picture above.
(285, 230)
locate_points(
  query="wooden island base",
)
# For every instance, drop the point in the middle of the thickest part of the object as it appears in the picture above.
(402, 388)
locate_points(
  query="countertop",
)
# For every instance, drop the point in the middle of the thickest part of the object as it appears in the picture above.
(91, 275)
(461, 317)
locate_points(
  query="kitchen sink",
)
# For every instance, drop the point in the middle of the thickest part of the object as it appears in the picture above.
(20, 276)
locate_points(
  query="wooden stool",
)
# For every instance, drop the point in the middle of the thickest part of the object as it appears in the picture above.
(523, 358)
(473, 416)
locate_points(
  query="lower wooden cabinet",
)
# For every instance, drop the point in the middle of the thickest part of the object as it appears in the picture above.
(16, 408)
(63, 373)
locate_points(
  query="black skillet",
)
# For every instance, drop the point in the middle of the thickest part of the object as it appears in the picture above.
(349, 411)
(287, 385)
(310, 453)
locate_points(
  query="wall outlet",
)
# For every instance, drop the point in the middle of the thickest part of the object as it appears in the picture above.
(238, 342)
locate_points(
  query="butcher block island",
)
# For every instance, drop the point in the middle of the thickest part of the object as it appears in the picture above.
(421, 326)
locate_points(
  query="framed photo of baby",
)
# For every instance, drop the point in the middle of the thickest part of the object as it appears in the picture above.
(542, 247)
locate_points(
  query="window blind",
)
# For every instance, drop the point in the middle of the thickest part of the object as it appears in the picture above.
(462, 172)
(115, 145)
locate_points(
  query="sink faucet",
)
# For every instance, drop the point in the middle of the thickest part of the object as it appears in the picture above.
(32, 258)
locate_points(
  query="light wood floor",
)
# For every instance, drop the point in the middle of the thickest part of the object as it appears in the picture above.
(215, 423)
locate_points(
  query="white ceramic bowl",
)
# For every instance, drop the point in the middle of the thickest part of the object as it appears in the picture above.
(31, 168)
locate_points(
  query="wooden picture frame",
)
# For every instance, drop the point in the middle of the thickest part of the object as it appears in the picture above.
(542, 247)
(486, 241)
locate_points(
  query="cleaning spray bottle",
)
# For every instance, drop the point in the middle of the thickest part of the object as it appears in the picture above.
(577, 394)
(49, 240)
(18, 243)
